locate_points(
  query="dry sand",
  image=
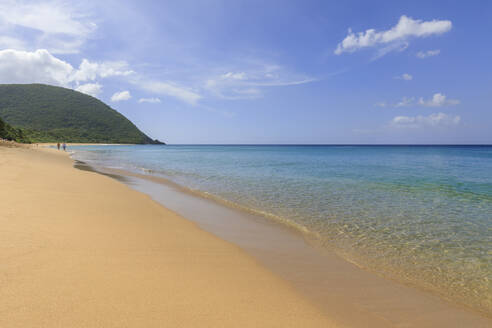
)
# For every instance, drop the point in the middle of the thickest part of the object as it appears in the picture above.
(79, 249)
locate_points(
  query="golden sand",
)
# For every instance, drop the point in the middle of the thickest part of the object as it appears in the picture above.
(78, 249)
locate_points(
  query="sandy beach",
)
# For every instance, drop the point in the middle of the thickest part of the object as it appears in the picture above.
(78, 249)
(245, 164)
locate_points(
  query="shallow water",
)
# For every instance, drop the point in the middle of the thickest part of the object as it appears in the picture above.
(419, 214)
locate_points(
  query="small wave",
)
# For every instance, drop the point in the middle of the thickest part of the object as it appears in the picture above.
(272, 217)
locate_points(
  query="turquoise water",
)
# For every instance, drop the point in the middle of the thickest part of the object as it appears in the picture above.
(419, 214)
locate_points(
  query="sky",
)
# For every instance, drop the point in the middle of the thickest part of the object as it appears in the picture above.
(266, 72)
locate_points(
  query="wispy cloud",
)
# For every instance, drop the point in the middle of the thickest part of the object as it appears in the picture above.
(428, 53)
(394, 38)
(249, 83)
(149, 100)
(404, 76)
(432, 120)
(283, 83)
(121, 96)
(397, 46)
(234, 76)
(172, 90)
(405, 102)
(90, 71)
(437, 100)
(59, 26)
(93, 89)
(7, 42)
(40, 66)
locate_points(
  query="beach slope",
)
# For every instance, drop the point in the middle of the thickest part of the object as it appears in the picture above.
(79, 249)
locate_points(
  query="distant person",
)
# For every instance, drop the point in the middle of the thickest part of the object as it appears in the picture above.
(58, 145)
(64, 147)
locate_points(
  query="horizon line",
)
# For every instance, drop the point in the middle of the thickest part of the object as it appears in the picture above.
(327, 144)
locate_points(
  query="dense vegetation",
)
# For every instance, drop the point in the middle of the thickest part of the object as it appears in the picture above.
(53, 114)
(9, 133)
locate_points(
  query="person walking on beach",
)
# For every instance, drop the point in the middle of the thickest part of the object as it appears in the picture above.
(58, 145)
(64, 147)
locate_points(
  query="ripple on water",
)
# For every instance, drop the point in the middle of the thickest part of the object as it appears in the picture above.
(422, 215)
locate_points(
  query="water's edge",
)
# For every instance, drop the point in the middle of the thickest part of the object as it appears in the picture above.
(419, 215)
(324, 277)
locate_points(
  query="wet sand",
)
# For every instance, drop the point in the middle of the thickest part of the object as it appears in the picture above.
(79, 249)
(350, 295)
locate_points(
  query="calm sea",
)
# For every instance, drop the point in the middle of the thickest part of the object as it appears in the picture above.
(419, 214)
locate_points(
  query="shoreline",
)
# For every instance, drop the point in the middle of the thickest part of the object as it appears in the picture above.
(81, 250)
(50, 290)
(366, 292)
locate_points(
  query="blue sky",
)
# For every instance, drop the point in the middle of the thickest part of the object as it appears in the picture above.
(266, 71)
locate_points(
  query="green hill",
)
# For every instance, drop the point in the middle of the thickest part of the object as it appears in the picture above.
(9, 133)
(47, 113)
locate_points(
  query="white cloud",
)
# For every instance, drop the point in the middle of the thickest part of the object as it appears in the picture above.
(280, 83)
(234, 76)
(395, 46)
(226, 84)
(93, 89)
(405, 102)
(53, 17)
(438, 100)
(60, 45)
(7, 42)
(40, 66)
(404, 76)
(436, 119)
(244, 80)
(58, 26)
(168, 89)
(406, 28)
(248, 91)
(149, 100)
(89, 71)
(428, 53)
(33, 67)
(121, 96)
(248, 83)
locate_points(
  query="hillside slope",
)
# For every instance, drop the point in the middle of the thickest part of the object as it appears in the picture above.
(49, 114)
(9, 133)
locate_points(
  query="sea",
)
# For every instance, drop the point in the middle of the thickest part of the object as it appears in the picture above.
(418, 214)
